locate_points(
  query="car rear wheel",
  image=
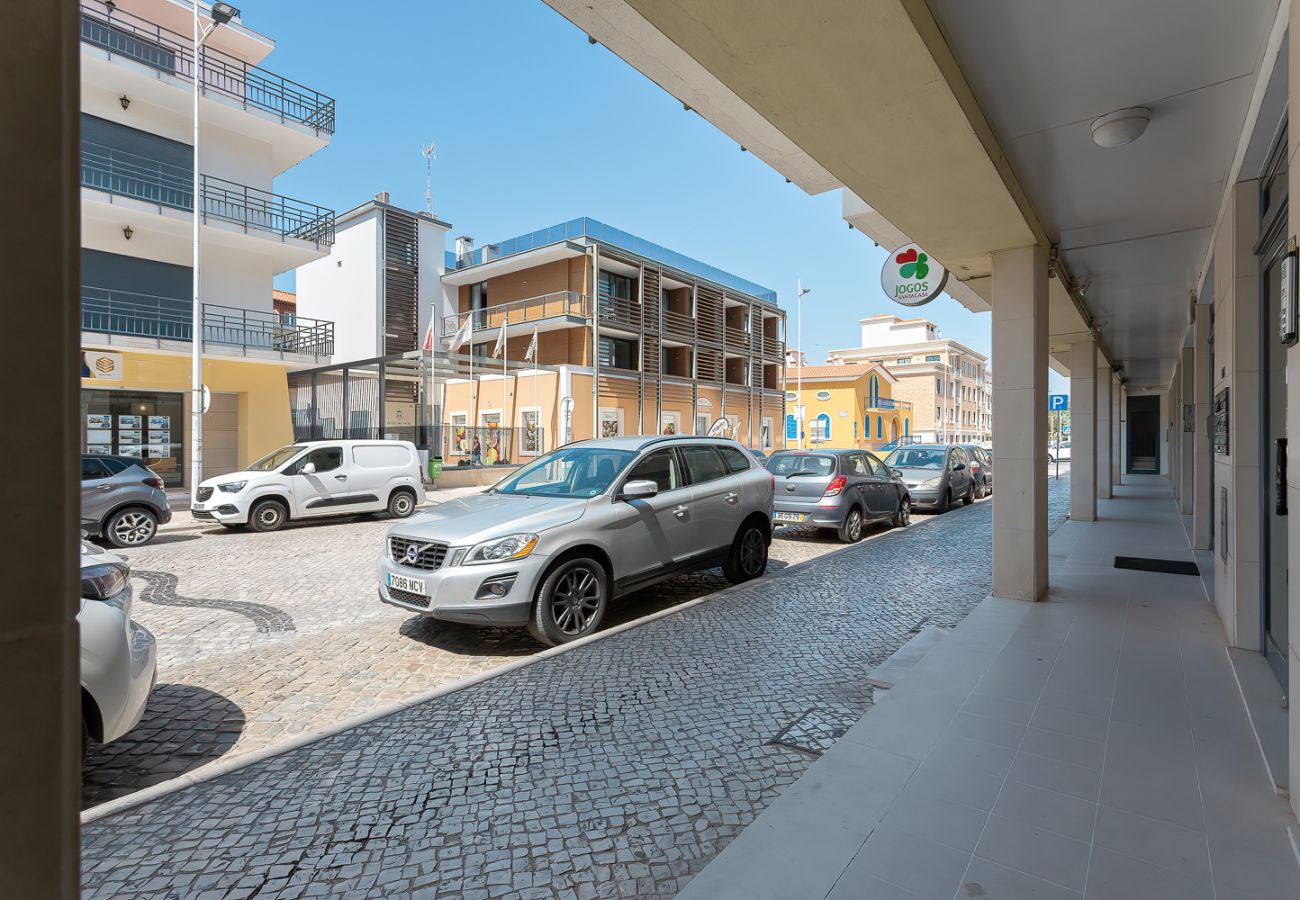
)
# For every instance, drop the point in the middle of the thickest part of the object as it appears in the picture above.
(571, 602)
(851, 529)
(131, 528)
(970, 495)
(401, 504)
(268, 515)
(748, 556)
(903, 515)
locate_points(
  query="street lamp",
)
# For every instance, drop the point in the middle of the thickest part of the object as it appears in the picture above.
(221, 13)
(800, 290)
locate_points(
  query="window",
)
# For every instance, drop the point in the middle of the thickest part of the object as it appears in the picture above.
(932, 358)
(821, 428)
(958, 456)
(530, 440)
(938, 386)
(325, 459)
(459, 433)
(611, 422)
(703, 464)
(877, 467)
(478, 301)
(613, 289)
(903, 361)
(92, 469)
(701, 423)
(787, 463)
(736, 459)
(662, 468)
(574, 471)
(765, 434)
(671, 424)
(880, 427)
(823, 395)
(854, 464)
(618, 353)
(791, 397)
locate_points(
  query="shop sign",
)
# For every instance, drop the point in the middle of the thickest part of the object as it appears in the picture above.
(911, 278)
(101, 365)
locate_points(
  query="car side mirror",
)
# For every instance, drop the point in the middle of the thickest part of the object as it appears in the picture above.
(641, 489)
(309, 469)
(957, 467)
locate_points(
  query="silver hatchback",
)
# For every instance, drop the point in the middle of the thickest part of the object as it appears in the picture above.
(837, 489)
(551, 545)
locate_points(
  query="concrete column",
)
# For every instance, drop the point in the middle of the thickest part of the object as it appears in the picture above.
(40, 742)
(1293, 430)
(1173, 402)
(1020, 411)
(1083, 431)
(1116, 430)
(1202, 462)
(1105, 428)
(1187, 440)
(1123, 430)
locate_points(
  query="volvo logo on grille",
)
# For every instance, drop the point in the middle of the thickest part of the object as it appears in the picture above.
(412, 555)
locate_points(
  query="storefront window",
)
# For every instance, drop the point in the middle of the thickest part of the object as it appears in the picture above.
(144, 425)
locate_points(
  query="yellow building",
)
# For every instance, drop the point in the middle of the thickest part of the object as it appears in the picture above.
(847, 407)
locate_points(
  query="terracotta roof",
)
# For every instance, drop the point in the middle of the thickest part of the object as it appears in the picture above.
(832, 371)
(288, 297)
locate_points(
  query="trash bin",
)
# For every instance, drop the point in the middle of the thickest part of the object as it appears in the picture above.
(435, 467)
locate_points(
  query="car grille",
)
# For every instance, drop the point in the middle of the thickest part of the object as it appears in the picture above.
(201, 514)
(408, 598)
(427, 556)
(203, 493)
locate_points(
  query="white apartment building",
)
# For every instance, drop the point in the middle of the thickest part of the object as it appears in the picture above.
(137, 203)
(948, 384)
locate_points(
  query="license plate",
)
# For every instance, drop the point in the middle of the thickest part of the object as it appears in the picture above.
(787, 517)
(402, 583)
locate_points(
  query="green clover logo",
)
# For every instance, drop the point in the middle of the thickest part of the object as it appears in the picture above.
(913, 264)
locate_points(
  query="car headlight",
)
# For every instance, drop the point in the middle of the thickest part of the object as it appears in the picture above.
(512, 546)
(931, 483)
(232, 487)
(104, 581)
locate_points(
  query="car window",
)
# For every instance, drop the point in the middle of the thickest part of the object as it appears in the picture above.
(575, 471)
(854, 464)
(92, 468)
(276, 458)
(116, 466)
(325, 459)
(957, 457)
(877, 467)
(787, 464)
(735, 459)
(662, 468)
(917, 458)
(703, 464)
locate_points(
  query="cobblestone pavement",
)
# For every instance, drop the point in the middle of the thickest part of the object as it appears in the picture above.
(618, 769)
(266, 637)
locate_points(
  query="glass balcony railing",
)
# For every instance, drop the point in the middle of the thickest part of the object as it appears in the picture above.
(886, 403)
(108, 311)
(518, 312)
(105, 26)
(131, 175)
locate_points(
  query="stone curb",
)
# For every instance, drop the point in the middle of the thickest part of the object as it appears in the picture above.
(225, 767)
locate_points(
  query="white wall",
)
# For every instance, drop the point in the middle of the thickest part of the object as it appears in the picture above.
(345, 288)
(886, 333)
(433, 300)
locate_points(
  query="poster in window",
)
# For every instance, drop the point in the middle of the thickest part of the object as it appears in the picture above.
(129, 422)
(159, 451)
(137, 451)
(1220, 418)
(96, 422)
(160, 437)
(99, 449)
(99, 437)
(160, 423)
(129, 438)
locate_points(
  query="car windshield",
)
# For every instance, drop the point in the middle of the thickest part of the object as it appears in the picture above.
(276, 458)
(917, 458)
(574, 472)
(788, 464)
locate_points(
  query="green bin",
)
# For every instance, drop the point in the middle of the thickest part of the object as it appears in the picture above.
(435, 467)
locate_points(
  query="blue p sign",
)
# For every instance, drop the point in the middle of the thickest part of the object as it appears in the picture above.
(1058, 402)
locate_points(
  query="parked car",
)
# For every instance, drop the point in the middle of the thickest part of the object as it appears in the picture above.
(839, 489)
(981, 469)
(118, 656)
(313, 479)
(121, 501)
(551, 545)
(760, 455)
(1059, 451)
(936, 475)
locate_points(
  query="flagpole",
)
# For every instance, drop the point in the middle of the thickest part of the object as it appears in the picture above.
(505, 373)
(537, 408)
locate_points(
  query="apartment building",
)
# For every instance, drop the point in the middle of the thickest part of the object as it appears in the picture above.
(137, 207)
(850, 407)
(948, 385)
(631, 338)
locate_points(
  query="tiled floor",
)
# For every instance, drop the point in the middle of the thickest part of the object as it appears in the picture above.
(1094, 745)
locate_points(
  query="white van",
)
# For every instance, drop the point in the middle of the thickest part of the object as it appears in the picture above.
(313, 479)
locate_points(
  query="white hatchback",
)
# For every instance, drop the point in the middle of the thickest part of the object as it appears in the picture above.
(313, 479)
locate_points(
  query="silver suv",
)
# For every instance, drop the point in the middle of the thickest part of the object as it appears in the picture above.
(121, 500)
(553, 543)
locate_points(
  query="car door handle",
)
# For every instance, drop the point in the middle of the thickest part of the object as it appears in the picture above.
(732, 498)
(680, 511)
(104, 487)
(341, 477)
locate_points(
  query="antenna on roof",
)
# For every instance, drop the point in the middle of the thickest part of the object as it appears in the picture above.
(430, 153)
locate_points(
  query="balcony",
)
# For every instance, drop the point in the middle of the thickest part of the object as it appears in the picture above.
(886, 403)
(558, 305)
(126, 313)
(122, 34)
(676, 323)
(737, 338)
(130, 175)
(773, 347)
(620, 311)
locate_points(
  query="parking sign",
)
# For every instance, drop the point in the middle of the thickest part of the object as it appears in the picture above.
(1058, 402)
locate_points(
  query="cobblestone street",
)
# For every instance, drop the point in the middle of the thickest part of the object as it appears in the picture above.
(264, 637)
(619, 768)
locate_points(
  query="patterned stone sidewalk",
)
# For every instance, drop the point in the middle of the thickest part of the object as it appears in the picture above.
(619, 769)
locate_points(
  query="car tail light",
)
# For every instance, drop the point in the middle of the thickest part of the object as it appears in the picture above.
(837, 485)
(153, 481)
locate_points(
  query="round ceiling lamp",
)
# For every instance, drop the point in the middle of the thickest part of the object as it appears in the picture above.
(1124, 126)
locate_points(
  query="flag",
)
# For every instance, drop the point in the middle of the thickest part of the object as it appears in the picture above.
(532, 348)
(461, 338)
(501, 342)
(428, 338)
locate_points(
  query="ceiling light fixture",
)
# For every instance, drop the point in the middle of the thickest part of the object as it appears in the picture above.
(1123, 126)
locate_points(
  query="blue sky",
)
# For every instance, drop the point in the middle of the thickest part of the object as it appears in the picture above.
(535, 126)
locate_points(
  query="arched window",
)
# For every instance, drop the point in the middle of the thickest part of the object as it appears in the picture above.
(893, 428)
(880, 427)
(821, 428)
(907, 426)
(873, 391)
(791, 427)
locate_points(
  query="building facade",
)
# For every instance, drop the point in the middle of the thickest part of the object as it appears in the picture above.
(627, 337)
(844, 406)
(137, 207)
(948, 384)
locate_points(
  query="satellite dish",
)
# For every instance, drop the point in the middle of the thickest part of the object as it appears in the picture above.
(720, 428)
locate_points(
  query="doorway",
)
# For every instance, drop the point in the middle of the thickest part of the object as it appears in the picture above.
(1144, 435)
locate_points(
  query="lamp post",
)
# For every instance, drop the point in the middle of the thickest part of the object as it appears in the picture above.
(799, 291)
(221, 13)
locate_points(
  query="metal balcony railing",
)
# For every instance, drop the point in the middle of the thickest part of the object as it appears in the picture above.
(619, 311)
(137, 39)
(108, 311)
(517, 312)
(678, 323)
(737, 338)
(141, 178)
(886, 403)
(773, 347)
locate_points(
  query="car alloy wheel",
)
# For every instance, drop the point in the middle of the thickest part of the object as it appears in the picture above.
(575, 601)
(904, 517)
(853, 526)
(753, 553)
(133, 528)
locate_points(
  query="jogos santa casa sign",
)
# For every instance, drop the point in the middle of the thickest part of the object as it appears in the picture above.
(911, 278)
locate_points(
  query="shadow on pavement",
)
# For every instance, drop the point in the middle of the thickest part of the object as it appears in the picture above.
(183, 727)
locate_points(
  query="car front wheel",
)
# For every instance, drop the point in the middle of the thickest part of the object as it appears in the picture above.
(268, 515)
(903, 515)
(571, 602)
(131, 528)
(748, 556)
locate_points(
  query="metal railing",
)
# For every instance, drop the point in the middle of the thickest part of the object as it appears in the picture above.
(620, 311)
(108, 311)
(483, 445)
(518, 312)
(137, 39)
(886, 403)
(736, 337)
(131, 175)
(678, 323)
(773, 347)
